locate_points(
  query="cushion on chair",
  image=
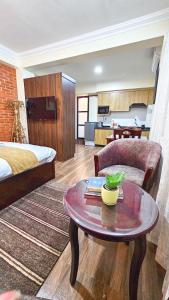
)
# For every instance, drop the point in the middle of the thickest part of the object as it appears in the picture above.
(132, 174)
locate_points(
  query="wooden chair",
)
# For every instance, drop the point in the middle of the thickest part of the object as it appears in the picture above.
(136, 132)
(127, 132)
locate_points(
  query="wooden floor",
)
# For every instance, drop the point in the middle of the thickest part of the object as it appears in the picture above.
(104, 266)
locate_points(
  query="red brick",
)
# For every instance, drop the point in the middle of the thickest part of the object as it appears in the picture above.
(8, 93)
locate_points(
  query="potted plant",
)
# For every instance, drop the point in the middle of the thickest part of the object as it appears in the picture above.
(110, 190)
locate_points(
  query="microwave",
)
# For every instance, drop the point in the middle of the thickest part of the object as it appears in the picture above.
(103, 110)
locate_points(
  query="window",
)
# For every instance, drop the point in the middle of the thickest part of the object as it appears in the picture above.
(82, 114)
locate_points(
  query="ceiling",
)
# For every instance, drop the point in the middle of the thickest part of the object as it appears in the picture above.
(27, 24)
(127, 63)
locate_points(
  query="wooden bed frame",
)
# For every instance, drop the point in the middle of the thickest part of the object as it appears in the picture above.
(15, 187)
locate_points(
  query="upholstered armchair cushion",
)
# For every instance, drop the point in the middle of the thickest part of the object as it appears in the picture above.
(132, 174)
(140, 154)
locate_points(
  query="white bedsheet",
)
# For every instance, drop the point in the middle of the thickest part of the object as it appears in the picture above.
(43, 154)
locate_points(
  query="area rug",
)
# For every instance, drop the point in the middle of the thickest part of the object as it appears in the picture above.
(33, 235)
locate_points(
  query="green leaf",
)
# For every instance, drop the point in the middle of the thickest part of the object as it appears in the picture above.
(114, 180)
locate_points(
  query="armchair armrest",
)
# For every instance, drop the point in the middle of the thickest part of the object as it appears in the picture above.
(96, 164)
(147, 183)
(105, 158)
(151, 167)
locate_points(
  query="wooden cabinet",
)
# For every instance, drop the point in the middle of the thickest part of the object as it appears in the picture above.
(143, 96)
(145, 134)
(122, 99)
(116, 100)
(140, 96)
(60, 133)
(151, 96)
(100, 136)
(104, 99)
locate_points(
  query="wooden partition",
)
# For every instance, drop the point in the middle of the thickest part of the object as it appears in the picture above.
(60, 133)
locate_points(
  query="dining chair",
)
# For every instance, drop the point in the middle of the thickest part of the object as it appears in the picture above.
(127, 132)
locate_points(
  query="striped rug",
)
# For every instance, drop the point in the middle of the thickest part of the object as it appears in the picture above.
(33, 235)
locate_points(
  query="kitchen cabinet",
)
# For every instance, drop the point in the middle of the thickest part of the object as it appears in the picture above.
(116, 100)
(145, 133)
(121, 100)
(104, 99)
(140, 96)
(143, 96)
(100, 136)
(151, 96)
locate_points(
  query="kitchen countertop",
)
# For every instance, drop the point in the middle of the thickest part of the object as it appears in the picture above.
(112, 128)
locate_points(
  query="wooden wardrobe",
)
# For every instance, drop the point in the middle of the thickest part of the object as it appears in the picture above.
(60, 133)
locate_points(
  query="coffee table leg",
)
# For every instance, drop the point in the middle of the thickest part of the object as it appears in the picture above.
(137, 259)
(73, 234)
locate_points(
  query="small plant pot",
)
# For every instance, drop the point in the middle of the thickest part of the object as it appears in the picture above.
(109, 197)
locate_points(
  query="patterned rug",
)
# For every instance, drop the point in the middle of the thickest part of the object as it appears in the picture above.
(33, 235)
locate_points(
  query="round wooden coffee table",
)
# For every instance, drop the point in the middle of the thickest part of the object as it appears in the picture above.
(129, 220)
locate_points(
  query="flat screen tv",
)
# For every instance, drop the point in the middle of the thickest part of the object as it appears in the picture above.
(41, 108)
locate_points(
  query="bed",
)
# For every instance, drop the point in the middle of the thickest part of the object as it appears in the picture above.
(13, 187)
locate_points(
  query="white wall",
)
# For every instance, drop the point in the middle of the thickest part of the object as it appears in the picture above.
(21, 97)
(139, 112)
(131, 32)
(93, 108)
(82, 89)
(135, 30)
(20, 75)
(27, 74)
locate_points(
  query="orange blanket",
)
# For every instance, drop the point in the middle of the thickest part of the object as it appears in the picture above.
(19, 160)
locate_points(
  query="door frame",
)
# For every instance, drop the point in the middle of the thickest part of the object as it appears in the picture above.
(80, 111)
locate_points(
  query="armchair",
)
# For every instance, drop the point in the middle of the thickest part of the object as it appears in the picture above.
(137, 158)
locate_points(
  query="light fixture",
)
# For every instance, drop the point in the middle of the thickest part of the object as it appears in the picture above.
(98, 69)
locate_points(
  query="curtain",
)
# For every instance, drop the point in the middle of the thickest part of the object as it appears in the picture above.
(160, 134)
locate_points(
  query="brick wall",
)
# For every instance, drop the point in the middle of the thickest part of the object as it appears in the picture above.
(8, 92)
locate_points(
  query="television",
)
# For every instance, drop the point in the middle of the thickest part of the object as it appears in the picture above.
(41, 108)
